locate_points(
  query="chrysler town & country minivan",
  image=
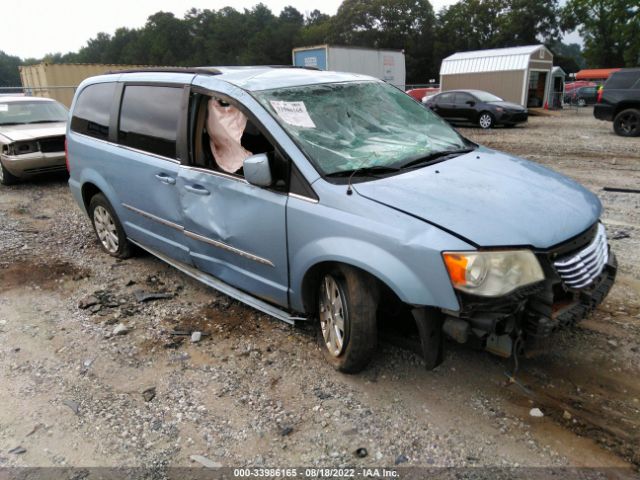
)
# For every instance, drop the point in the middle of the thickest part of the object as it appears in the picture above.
(291, 190)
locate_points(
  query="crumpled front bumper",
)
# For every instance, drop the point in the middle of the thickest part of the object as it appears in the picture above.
(34, 163)
(531, 313)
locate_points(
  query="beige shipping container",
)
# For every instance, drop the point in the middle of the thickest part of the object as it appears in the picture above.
(59, 81)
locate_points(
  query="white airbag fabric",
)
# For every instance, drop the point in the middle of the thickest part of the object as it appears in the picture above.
(225, 126)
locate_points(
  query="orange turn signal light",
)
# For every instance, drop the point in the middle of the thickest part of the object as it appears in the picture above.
(457, 267)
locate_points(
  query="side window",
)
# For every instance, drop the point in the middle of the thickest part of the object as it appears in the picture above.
(149, 118)
(223, 137)
(91, 112)
(445, 98)
(463, 98)
(622, 80)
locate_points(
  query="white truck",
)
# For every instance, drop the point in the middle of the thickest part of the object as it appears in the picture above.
(387, 65)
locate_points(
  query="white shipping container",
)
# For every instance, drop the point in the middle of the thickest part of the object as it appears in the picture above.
(387, 65)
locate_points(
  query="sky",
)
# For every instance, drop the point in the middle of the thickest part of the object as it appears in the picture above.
(34, 28)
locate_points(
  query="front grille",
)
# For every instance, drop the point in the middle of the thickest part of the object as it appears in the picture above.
(53, 144)
(578, 270)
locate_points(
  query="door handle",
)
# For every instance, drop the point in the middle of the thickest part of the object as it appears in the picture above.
(166, 179)
(197, 189)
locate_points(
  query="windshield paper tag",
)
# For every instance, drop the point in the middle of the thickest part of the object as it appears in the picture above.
(294, 113)
(4, 107)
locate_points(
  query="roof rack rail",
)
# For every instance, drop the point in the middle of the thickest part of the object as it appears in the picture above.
(196, 70)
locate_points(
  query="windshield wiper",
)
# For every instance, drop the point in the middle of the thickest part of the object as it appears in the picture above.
(44, 121)
(434, 157)
(369, 171)
(374, 171)
(11, 123)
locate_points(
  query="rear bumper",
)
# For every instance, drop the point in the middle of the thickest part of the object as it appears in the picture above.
(34, 163)
(603, 112)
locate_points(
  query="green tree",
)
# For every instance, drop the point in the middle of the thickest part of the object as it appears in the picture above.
(610, 29)
(9, 73)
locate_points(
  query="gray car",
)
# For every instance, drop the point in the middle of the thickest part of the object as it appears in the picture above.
(290, 190)
(32, 133)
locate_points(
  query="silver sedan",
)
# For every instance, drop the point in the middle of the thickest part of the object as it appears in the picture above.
(32, 133)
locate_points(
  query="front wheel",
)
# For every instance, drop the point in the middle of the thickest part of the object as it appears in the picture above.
(6, 178)
(347, 306)
(627, 123)
(485, 120)
(108, 227)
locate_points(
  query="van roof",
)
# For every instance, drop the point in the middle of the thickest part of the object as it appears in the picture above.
(252, 78)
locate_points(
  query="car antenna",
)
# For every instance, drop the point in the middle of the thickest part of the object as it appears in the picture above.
(355, 170)
(349, 189)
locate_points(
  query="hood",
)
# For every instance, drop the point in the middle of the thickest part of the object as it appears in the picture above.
(491, 199)
(17, 133)
(508, 105)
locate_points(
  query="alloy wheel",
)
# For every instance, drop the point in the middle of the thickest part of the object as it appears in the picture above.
(485, 120)
(106, 229)
(332, 315)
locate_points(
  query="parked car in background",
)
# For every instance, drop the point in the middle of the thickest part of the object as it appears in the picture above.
(478, 107)
(582, 96)
(419, 93)
(290, 190)
(619, 101)
(32, 133)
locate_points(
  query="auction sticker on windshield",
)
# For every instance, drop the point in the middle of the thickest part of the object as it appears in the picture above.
(294, 113)
(4, 107)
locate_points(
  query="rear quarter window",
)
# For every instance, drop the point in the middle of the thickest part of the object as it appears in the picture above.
(149, 118)
(91, 114)
(622, 80)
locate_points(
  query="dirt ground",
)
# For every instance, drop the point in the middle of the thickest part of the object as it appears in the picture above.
(257, 392)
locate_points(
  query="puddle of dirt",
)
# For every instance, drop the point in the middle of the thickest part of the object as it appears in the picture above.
(221, 318)
(588, 400)
(21, 274)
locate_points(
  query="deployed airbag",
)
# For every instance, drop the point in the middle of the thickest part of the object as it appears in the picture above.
(225, 126)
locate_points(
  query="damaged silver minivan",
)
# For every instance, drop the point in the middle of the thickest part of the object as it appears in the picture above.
(336, 198)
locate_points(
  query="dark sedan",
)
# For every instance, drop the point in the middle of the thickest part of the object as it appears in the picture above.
(478, 107)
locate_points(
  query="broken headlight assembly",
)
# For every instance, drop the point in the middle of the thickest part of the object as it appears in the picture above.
(492, 273)
(20, 148)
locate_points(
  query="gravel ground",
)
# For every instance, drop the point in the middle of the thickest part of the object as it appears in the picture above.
(113, 384)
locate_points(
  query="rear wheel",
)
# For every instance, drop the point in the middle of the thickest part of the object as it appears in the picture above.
(6, 178)
(627, 123)
(108, 228)
(485, 120)
(347, 305)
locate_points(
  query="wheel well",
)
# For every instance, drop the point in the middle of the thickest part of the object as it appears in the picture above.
(625, 105)
(313, 276)
(89, 190)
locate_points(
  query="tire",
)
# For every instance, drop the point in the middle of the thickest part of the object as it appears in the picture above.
(108, 228)
(485, 120)
(627, 123)
(6, 178)
(348, 297)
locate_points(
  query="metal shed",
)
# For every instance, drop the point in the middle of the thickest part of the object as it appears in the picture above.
(558, 76)
(517, 74)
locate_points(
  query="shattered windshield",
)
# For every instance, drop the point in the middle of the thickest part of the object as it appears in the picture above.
(355, 125)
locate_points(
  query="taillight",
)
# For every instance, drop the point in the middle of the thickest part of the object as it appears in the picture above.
(600, 92)
(66, 155)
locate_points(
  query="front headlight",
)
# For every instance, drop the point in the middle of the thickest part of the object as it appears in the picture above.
(491, 274)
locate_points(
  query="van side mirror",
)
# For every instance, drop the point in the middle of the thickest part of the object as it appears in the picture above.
(257, 170)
